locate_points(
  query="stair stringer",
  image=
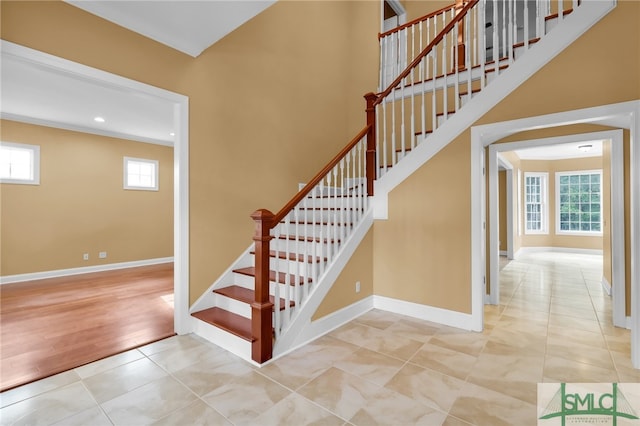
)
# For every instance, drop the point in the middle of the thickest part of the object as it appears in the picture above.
(552, 44)
(289, 339)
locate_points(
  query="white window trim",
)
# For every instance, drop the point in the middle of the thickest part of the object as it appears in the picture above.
(135, 187)
(35, 157)
(545, 203)
(577, 233)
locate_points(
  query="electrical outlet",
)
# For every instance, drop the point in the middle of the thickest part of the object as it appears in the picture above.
(102, 255)
(357, 286)
(85, 256)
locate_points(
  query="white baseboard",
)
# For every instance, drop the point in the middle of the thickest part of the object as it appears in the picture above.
(526, 250)
(424, 312)
(8, 279)
(503, 252)
(628, 324)
(606, 286)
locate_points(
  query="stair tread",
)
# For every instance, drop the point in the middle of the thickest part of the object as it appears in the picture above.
(247, 295)
(282, 277)
(307, 239)
(293, 256)
(228, 321)
(304, 222)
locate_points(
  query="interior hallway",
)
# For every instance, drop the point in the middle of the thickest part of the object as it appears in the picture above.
(554, 325)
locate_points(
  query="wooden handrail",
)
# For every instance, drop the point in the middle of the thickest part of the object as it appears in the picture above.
(426, 50)
(313, 182)
(415, 21)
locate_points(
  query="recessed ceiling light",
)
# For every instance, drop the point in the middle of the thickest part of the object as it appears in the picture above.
(172, 134)
(585, 148)
(98, 119)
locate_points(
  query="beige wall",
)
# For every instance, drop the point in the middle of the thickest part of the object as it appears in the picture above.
(269, 104)
(433, 260)
(552, 239)
(80, 205)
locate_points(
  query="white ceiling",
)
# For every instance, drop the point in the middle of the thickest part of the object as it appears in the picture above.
(561, 151)
(47, 95)
(187, 26)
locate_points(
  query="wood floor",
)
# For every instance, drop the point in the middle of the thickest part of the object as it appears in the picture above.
(49, 326)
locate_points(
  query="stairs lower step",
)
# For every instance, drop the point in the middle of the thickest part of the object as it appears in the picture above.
(282, 277)
(307, 239)
(230, 322)
(247, 296)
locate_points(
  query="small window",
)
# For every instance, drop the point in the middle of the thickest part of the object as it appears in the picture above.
(578, 197)
(19, 163)
(536, 207)
(140, 174)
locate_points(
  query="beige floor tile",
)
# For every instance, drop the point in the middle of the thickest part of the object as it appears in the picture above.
(483, 406)
(296, 410)
(369, 365)
(518, 338)
(429, 387)
(394, 345)
(184, 341)
(339, 392)
(447, 361)
(178, 358)
(49, 407)
(568, 322)
(414, 330)
(93, 416)
(295, 369)
(102, 365)
(195, 414)
(148, 403)
(245, 397)
(619, 343)
(120, 380)
(377, 319)
(212, 373)
(356, 333)
(562, 347)
(576, 336)
(36, 388)
(387, 407)
(568, 371)
(454, 421)
(470, 343)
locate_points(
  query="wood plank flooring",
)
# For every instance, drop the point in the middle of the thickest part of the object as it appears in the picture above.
(52, 325)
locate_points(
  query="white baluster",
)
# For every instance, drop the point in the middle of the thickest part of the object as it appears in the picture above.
(496, 42)
(526, 25)
(560, 10)
(468, 51)
(321, 232)
(342, 200)
(393, 127)
(456, 66)
(384, 125)
(504, 33)
(512, 24)
(287, 276)
(378, 148)
(434, 79)
(445, 70)
(277, 318)
(482, 34)
(413, 89)
(336, 224)
(424, 69)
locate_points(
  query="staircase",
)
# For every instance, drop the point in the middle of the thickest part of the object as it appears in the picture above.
(260, 307)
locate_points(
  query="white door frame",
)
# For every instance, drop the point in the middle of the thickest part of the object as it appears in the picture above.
(180, 158)
(617, 209)
(622, 115)
(505, 164)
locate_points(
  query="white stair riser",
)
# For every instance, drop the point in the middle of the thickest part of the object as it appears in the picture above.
(309, 247)
(232, 305)
(550, 24)
(249, 282)
(308, 215)
(308, 230)
(335, 202)
(293, 267)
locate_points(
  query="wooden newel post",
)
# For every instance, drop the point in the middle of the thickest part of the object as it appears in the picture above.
(371, 141)
(262, 308)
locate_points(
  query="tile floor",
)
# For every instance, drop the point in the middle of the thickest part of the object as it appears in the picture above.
(553, 325)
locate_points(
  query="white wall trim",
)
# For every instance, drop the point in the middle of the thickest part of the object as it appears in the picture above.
(425, 312)
(182, 323)
(606, 286)
(9, 279)
(503, 253)
(622, 115)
